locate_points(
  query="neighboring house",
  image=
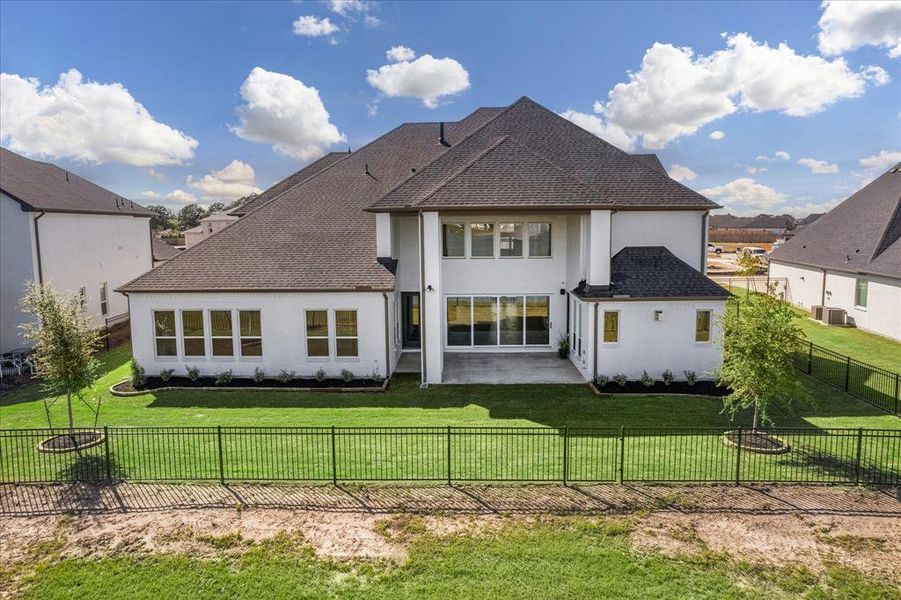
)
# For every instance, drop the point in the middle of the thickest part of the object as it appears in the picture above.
(850, 258)
(209, 225)
(162, 251)
(762, 228)
(505, 232)
(59, 228)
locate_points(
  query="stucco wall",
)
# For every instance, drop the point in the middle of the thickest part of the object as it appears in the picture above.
(16, 269)
(681, 231)
(646, 344)
(882, 314)
(86, 250)
(283, 330)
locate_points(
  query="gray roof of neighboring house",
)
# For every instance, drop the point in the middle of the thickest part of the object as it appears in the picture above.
(162, 250)
(318, 236)
(860, 235)
(812, 217)
(46, 187)
(761, 221)
(289, 182)
(651, 272)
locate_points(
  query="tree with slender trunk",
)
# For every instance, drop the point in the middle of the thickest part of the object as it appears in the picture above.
(64, 343)
(759, 344)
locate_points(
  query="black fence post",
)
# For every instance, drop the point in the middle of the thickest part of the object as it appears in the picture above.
(738, 458)
(810, 358)
(448, 455)
(847, 374)
(334, 460)
(565, 454)
(109, 468)
(859, 450)
(897, 378)
(622, 451)
(221, 457)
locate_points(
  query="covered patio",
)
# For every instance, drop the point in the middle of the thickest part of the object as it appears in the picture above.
(498, 367)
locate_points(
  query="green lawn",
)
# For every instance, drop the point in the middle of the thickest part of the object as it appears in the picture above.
(564, 558)
(861, 345)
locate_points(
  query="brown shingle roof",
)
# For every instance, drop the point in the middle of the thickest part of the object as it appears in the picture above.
(162, 250)
(860, 235)
(44, 186)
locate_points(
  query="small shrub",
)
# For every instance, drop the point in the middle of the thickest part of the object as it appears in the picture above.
(601, 380)
(346, 376)
(668, 377)
(620, 379)
(691, 377)
(320, 375)
(259, 375)
(224, 378)
(166, 374)
(646, 380)
(285, 376)
(138, 379)
(375, 375)
(193, 373)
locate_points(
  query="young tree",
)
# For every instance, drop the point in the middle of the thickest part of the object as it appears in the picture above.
(748, 265)
(163, 217)
(758, 346)
(214, 208)
(64, 342)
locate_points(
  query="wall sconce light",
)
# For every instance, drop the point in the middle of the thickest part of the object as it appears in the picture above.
(429, 288)
(658, 315)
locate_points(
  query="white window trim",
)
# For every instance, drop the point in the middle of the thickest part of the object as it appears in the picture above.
(213, 355)
(104, 298)
(861, 307)
(326, 337)
(619, 332)
(522, 235)
(156, 337)
(465, 240)
(494, 239)
(497, 299)
(207, 349)
(346, 337)
(528, 239)
(249, 337)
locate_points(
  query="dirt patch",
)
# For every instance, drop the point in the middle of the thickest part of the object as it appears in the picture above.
(869, 544)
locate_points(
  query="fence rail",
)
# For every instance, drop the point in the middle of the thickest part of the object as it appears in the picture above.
(871, 384)
(853, 456)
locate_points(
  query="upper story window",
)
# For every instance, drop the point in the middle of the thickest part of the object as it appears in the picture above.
(453, 242)
(222, 332)
(164, 332)
(539, 239)
(702, 326)
(104, 305)
(860, 293)
(511, 239)
(251, 333)
(193, 340)
(481, 240)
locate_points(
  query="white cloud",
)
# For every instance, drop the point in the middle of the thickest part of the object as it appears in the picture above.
(235, 180)
(778, 155)
(680, 173)
(312, 27)
(282, 111)
(371, 21)
(881, 162)
(427, 78)
(156, 174)
(755, 170)
(85, 120)
(400, 53)
(606, 131)
(676, 92)
(818, 167)
(802, 210)
(150, 194)
(181, 196)
(346, 8)
(746, 195)
(845, 26)
(717, 135)
(783, 155)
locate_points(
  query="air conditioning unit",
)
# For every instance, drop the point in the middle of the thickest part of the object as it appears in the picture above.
(816, 312)
(835, 316)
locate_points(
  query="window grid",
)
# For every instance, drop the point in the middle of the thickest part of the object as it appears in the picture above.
(316, 321)
(507, 240)
(165, 340)
(346, 334)
(467, 316)
(222, 333)
(193, 334)
(251, 330)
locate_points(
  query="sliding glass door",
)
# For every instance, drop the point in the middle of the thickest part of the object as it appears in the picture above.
(498, 321)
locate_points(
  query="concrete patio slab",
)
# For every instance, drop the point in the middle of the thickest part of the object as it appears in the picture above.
(509, 368)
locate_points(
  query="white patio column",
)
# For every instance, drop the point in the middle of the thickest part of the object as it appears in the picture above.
(599, 248)
(431, 302)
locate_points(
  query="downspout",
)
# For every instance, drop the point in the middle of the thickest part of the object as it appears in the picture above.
(704, 230)
(387, 343)
(37, 247)
(595, 344)
(422, 337)
(823, 290)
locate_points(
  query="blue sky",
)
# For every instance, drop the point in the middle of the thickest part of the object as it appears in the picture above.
(237, 95)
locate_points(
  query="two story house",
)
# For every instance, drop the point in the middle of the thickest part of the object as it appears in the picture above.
(501, 234)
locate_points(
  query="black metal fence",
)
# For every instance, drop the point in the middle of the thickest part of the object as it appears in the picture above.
(115, 331)
(534, 454)
(871, 384)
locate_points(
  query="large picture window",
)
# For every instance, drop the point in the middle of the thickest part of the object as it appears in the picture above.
(498, 320)
(481, 240)
(164, 332)
(251, 333)
(539, 239)
(453, 240)
(346, 338)
(317, 333)
(222, 332)
(511, 239)
(193, 340)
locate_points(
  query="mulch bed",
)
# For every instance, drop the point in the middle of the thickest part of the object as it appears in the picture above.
(154, 383)
(700, 388)
(757, 441)
(69, 442)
